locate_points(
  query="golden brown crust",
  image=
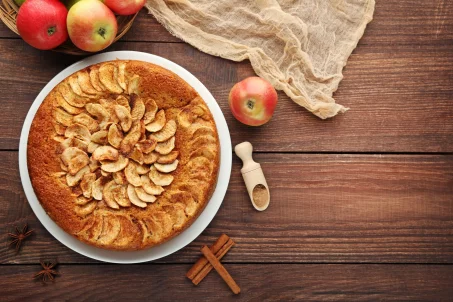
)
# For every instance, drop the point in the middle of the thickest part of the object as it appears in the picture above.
(57, 149)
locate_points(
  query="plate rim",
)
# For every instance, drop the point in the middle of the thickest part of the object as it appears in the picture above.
(179, 241)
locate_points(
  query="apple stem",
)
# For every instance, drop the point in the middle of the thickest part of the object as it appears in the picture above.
(250, 104)
(101, 32)
(51, 30)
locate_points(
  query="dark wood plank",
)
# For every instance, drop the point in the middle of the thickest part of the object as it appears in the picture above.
(325, 209)
(258, 282)
(395, 22)
(400, 102)
(145, 28)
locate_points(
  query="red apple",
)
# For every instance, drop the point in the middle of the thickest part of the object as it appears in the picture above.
(91, 25)
(253, 101)
(125, 7)
(42, 23)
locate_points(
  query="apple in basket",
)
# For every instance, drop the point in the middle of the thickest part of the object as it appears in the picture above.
(125, 7)
(253, 101)
(42, 23)
(92, 26)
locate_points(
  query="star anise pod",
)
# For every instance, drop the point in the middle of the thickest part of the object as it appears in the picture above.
(19, 236)
(47, 273)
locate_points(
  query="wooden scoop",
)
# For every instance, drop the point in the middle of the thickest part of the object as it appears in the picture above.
(253, 177)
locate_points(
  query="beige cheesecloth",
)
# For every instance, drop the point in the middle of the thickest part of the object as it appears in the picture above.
(300, 46)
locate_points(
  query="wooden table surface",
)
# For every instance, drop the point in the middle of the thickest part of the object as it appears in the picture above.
(362, 204)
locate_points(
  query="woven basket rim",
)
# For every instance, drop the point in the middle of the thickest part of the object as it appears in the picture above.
(8, 15)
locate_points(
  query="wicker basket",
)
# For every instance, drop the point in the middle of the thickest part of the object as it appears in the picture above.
(8, 14)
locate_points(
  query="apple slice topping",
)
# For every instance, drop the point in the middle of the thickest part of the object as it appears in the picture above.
(62, 117)
(82, 200)
(98, 111)
(88, 121)
(83, 77)
(150, 158)
(133, 85)
(107, 77)
(123, 101)
(82, 145)
(168, 158)
(120, 195)
(124, 116)
(146, 146)
(134, 198)
(158, 122)
(97, 188)
(115, 136)
(120, 178)
(136, 155)
(65, 143)
(142, 169)
(94, 165)
(129, 141)
(166, 168)
(94, 79)
(78, 131)
(138, 109)
(70, 153)
(99, 137)
(59, 129)
(115, 149)
(165, 133)
(143, 196)
(85, 210)
(74, 159)
(107, 194)
(132, 175)
(203, 140)
(115, 166)
(203, 130)
(203, 152)
(188, 116)
(74, 84)
(150, 187)
(73, 180)
(62, 103)
(166, 147)
(87, 183)
(66, 92)
(105, 174)
(92, 146)
(110, 230)
(105, 153)
(158, 178)
(109, 105)
(150, 111)
(122, 75)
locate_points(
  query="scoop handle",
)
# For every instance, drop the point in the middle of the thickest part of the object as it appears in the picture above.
(244, 152)
(252, 173)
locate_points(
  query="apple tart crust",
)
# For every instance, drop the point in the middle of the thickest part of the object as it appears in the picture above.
(123, 155)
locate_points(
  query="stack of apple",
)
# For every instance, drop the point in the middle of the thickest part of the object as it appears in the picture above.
(90, 24)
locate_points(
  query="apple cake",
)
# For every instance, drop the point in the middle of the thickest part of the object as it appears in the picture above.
(123, 155)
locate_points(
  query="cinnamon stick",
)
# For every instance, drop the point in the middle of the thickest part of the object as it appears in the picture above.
(220, 269)
(219, 255)
(202, 262)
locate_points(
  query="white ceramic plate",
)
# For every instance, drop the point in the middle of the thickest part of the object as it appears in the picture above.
(182, 239)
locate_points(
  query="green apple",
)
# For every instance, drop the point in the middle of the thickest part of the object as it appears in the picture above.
(92, 26)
